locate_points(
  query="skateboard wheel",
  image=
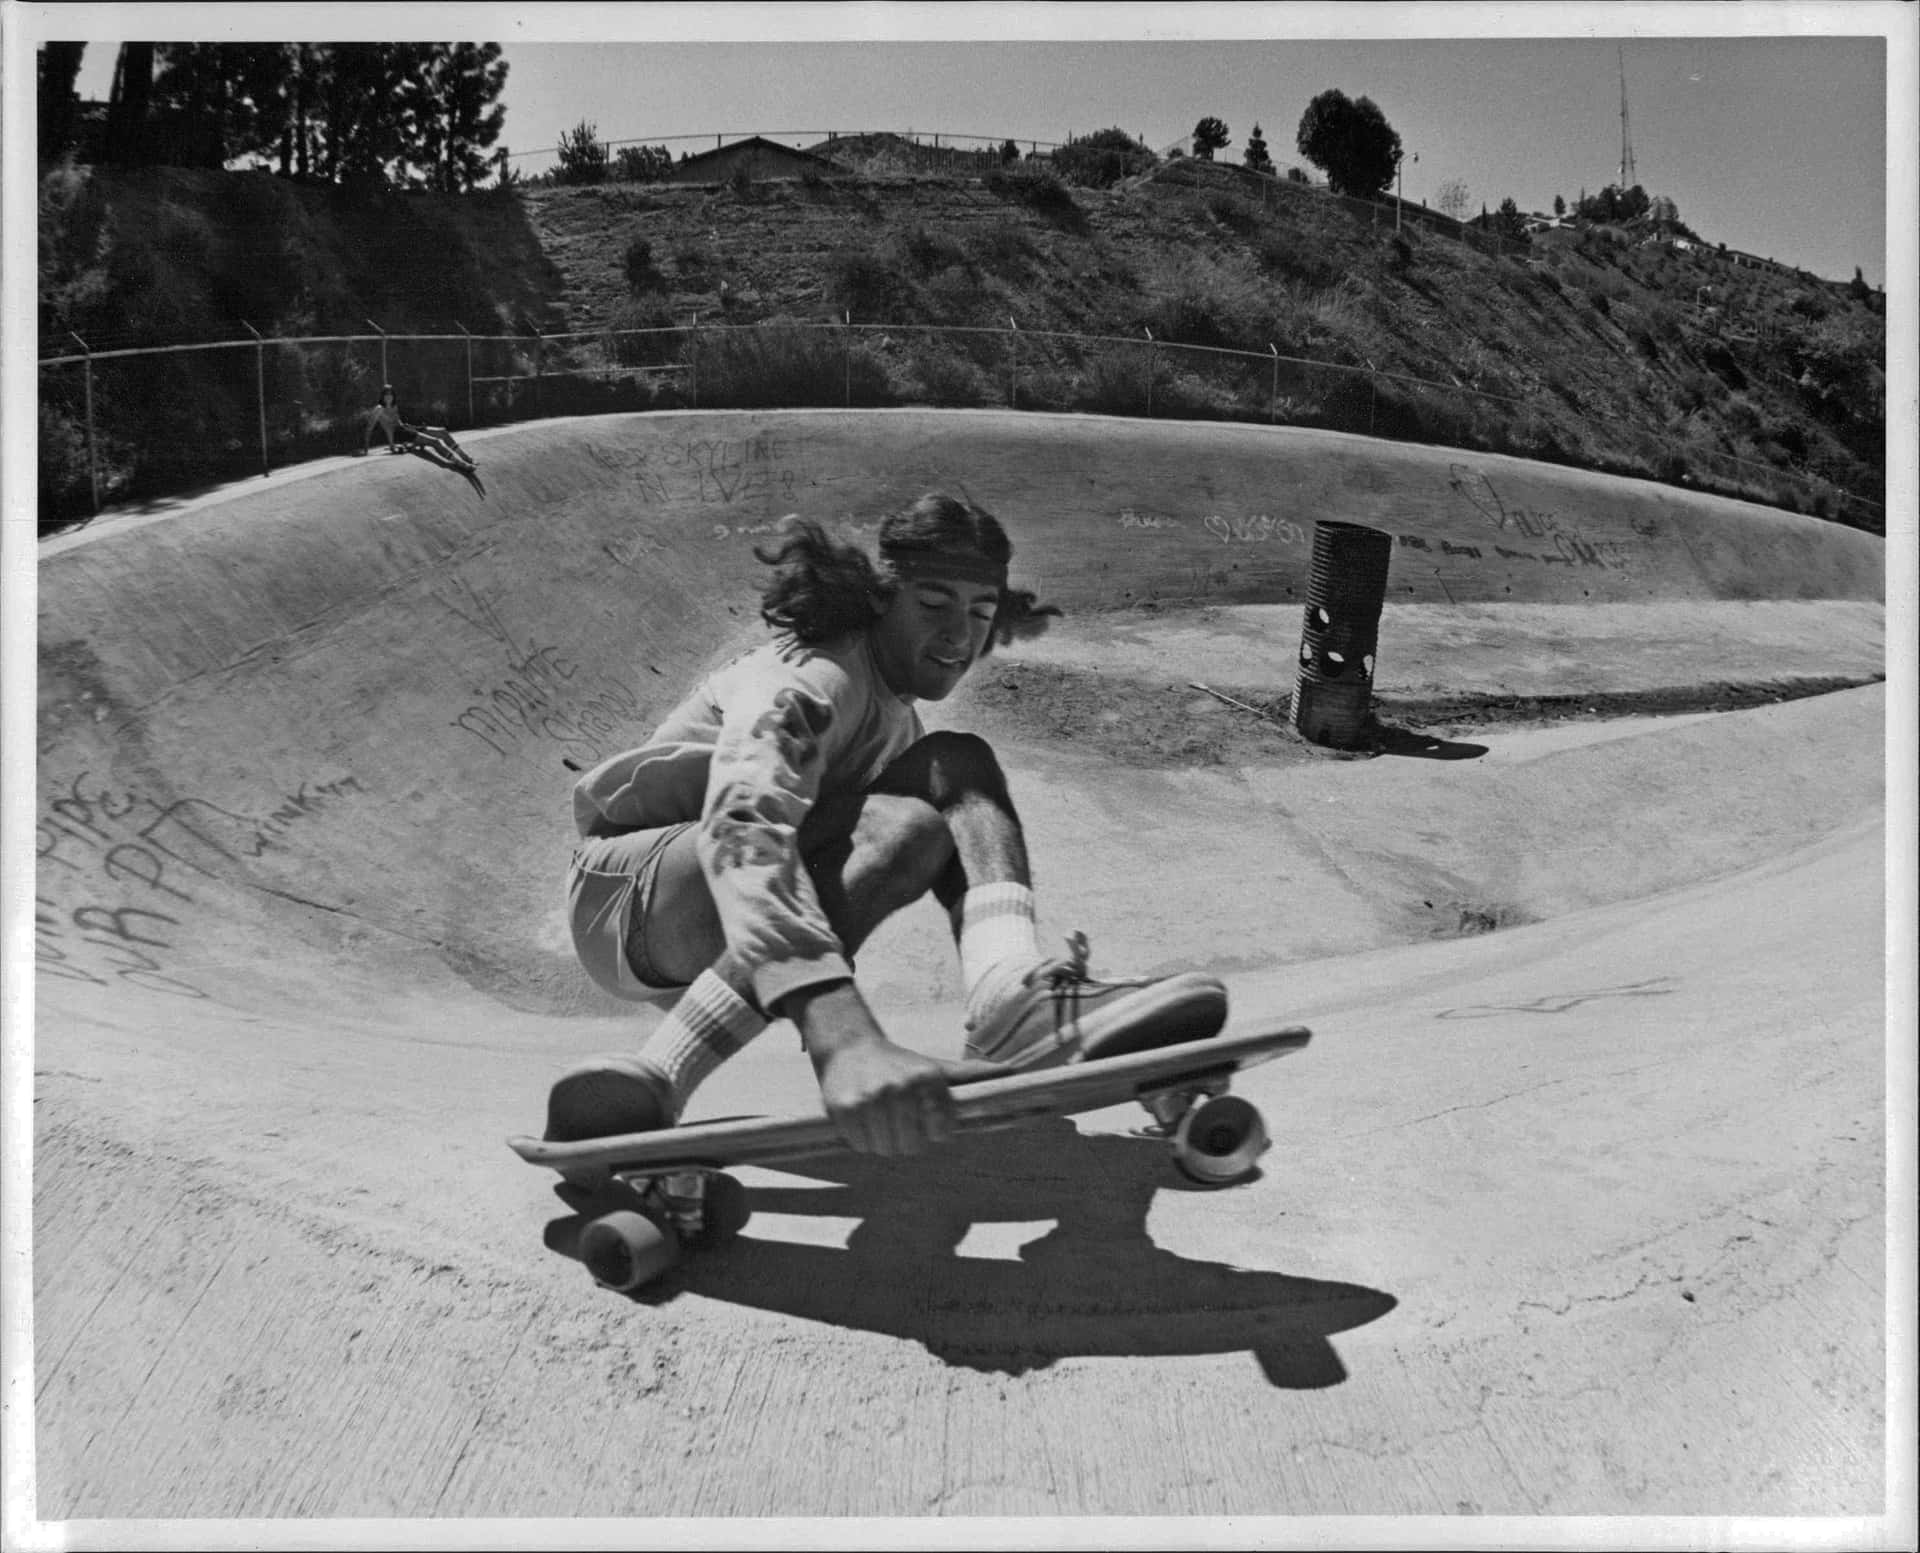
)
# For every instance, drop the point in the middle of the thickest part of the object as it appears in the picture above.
(626, 1249)
(724, 1210)
(1219, 1141)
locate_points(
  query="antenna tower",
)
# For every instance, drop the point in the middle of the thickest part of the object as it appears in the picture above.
(1627, 178)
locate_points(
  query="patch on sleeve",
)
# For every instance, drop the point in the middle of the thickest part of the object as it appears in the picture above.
(796, 723)
(741, 834)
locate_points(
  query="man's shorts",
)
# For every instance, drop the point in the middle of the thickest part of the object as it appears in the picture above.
(610, 894)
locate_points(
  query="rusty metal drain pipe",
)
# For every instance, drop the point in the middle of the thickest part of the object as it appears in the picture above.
(1333, 694)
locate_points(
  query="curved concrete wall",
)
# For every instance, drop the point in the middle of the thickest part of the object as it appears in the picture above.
(333, 711)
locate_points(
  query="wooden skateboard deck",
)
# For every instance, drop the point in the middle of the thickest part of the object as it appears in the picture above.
(677, 1172)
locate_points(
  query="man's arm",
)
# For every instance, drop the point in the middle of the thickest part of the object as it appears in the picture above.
(885, 1099)
(764, 777)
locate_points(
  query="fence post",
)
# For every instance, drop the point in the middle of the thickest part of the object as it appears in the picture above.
(93, 467)
(260, 391)
(539, 368)
(1013, 360)
(470, 416)
(846, 359)
(693, 364)
(1273, 394)
(1150, 356)
(384, 379)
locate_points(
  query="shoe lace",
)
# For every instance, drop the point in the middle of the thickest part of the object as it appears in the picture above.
(1064, 971)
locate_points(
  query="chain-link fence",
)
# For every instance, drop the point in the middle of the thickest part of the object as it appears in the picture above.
(126, 425)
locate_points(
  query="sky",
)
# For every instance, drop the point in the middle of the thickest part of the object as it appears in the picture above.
(1765, 123)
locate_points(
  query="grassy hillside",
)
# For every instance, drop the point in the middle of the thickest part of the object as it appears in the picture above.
(1603, 352)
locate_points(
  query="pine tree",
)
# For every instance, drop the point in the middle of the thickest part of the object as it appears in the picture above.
(1258, 159)
(456, 113)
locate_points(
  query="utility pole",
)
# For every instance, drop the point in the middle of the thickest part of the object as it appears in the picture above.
(1627, 177)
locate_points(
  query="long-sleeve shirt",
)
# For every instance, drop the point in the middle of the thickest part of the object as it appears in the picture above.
(747, 754)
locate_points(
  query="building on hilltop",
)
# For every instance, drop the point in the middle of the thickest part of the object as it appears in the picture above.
(757, 158)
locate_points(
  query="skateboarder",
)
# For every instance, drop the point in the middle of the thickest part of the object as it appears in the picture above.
(433, 443)
(791, 804)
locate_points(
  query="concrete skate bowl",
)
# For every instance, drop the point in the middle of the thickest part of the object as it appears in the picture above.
(303, 825)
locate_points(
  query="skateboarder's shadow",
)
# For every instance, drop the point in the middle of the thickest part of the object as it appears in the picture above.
(1091, 1283)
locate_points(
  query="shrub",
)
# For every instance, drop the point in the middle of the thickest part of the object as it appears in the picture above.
(1202, 300)
(1039, 189)
(642, 164)
(1789, 439)
(1114, 382)
(583, 159)
(928, 250)
(863, 283)
(1672, 467)
(1287, 253)
(650, 349)
(638, 266)
(955, 297)
(945, 379)
(1102, 159)
(1234, 213)
(784, 363)
(1720, 359)
(1741, 414)
(1189, 396)
(1004, 248)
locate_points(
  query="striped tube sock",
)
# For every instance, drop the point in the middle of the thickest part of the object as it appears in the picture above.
(707, 1026)
(994, 926)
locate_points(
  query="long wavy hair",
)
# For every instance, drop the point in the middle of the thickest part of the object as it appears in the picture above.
(822, 588)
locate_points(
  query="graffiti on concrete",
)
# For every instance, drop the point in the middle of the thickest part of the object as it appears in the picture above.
(1132, 518)
(1563, 1002)
(749, 530)
(1566, 545)
(542, 696)
(729, 469)
(134, 862)
(706, 469)
(1259, 528)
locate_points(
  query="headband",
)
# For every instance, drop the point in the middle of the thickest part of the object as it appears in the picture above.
(916, 565)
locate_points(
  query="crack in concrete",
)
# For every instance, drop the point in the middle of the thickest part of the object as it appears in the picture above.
(1477, 1105)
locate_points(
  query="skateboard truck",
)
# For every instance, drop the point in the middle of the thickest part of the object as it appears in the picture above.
(1215, 1137)
(683, 1208)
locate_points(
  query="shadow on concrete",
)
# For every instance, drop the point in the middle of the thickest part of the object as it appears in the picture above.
(1094, 1283)
(1390, 740)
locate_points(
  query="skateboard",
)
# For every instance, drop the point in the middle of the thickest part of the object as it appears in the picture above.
(686, 1200)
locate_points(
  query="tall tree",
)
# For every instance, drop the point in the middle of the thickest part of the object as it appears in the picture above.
(368, 110)
(204, 108)
(457, 114)
(1210, 135)
(59, 68)
(1350, 141)
(127, 105)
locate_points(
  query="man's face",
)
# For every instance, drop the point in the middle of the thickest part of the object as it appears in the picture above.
(931, 633)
